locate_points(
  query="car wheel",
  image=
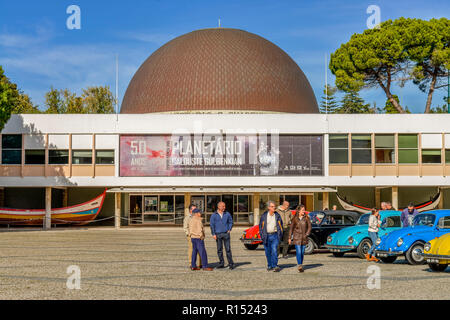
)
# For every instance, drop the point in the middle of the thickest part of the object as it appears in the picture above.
(390, 259)
(364, 248)
(338, 254)
(251, 246)
(438, 267)
(310, 246)
(414, 254)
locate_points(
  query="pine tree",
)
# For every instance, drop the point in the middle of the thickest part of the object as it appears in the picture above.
(353, 103)
(329, 103)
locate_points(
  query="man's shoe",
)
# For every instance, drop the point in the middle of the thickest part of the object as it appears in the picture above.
(221, 266)
(195, 269)
(277, 269)
(269, 269)
(207, 269)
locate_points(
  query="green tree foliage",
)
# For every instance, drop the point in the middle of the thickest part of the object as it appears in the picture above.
(12, 100)
(329, 103)
(353, 103)
(398, 51)
(93, 100)
(8, 96)
(98, 100)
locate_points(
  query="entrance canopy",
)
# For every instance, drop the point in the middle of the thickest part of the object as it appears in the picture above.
(220, 190)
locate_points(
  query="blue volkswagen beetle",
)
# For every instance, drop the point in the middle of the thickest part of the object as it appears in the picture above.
(357, 238)
(410, 241)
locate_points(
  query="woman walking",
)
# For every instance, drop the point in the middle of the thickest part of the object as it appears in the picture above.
(300, 230)
(374, 225)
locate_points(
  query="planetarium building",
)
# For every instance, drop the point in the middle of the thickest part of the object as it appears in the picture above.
(221, 115)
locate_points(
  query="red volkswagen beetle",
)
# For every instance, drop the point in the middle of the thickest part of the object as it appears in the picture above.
(251, 239)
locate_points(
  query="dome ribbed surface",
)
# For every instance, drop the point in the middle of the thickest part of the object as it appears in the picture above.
(219, 69)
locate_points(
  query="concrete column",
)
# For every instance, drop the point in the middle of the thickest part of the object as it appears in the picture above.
(325, 200)
(65, 197)
(256, 214)
(48, 209)
(441, 200)
(118, 204)
(377, 197)
(187, 203)
(395, 197)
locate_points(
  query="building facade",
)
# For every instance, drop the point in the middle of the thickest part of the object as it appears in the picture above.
(367, 158)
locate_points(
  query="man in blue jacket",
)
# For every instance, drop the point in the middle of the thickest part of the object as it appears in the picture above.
(271, 232)
(221, 224)
(408, 215)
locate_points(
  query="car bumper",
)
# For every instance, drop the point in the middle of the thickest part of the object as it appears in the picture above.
(251, 241)
(337, 248)
(436, 258)
(384, 254)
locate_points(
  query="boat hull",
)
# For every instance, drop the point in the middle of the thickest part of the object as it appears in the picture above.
(80, 214)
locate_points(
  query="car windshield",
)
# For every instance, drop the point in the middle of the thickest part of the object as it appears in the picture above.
(424, 220)
(316, 217)
(364, 219)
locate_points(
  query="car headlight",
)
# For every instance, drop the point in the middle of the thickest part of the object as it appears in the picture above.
(427, 246)
(329, 239)
(378, 241)
(351, 240)
(399, 242)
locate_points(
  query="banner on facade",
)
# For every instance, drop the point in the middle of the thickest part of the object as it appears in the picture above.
(221, 155)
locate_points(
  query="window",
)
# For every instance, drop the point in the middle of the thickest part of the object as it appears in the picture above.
(241, 205)
(349, 220)
(444, 223)
(384, 148)
(166, 204)
(11, 149)
(361, 148)
(431, 156)
(58, 157)
(391, 222)
(211, 202)
(34, 156)
(150, 203)
(447, 156)
(104, 156)
(81, 156)
(338, 147)
(407, 148)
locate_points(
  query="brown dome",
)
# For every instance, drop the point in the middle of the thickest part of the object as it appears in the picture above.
(222, 70)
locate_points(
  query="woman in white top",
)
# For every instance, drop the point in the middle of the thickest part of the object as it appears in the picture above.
(374, 225)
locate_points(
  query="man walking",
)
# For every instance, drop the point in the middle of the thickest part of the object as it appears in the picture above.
(186, 221)
(271, 232)
(197, 233)
(286, 218)
(221, 224)
(408, 215)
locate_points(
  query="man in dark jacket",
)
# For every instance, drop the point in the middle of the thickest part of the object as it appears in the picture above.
(408, 215)
(221, 224)
(271, 232)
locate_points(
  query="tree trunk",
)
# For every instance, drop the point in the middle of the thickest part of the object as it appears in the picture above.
(431, 91)
(391, 97)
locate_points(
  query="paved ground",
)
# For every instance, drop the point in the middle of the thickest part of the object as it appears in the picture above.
(151, 263)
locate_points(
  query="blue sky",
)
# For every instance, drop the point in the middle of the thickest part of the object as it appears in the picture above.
(38, 51)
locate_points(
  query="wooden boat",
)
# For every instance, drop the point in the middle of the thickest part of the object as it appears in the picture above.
(425, 206)
(79, 214)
